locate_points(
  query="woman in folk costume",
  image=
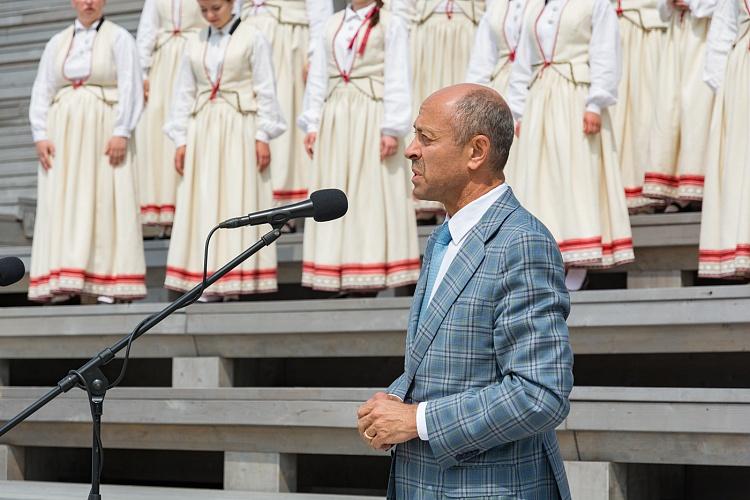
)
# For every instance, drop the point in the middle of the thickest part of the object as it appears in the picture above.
(494, 51)
(224, 114)
(680, 132)
(643, 36)
(85, 102)
(565, 76)
(290, 26)
(164, 28)
(357, 111)
(725, 228)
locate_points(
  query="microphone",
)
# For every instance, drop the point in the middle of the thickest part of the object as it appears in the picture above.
(323, 205)
(11, 270)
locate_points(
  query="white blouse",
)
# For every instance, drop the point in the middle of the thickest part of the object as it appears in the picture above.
(698, 8)
(485, 54)
(148, 29)
(397, 119)
(50, 79)
(271, 122)
(318, 12)
(605, 57)
(721, 37)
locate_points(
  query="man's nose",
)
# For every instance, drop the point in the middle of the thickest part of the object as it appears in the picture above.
(412, 151)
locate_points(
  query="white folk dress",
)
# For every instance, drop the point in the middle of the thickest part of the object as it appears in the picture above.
(643, 36)
(87, 237)
(680, 132)
(289, 26)
(356, 92)
(224, 101)
(164, 28)
(494, 52)
(725, 228)
(568, 62)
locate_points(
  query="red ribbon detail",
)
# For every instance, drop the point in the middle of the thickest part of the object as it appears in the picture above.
(449, 9)
(363, 45)
(215, 89)
(512, 56)
(176, 31)
(78, 83)
(619, 8)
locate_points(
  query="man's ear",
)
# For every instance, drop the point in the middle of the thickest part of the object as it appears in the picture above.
(479, 150)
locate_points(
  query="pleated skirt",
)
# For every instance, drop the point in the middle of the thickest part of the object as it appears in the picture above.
(633, 115)
(569, 180)
(221, 181)
(87, 235)
(725, 228)
(374, 245)
(157, 177)
(684, 103)
(290, 163)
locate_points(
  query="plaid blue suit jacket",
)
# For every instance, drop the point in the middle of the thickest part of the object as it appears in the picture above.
(492, 359)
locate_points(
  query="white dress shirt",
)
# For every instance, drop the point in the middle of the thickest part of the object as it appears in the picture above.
(485, 53)
(397, 119)
(605, 56)
(698, 8)
(50, 78)
(721, 37)
(459, 226)
(270, 123)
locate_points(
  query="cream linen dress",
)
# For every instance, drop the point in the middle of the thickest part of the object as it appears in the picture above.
(725, 228)
(87, 236)
(570, 180)
(374, 245)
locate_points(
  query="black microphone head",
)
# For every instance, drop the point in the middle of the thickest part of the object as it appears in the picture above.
(11, 270)
(329, 204)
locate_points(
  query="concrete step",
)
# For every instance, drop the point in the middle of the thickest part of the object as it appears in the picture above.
(35, 490)
(613, 424)
(694, 319)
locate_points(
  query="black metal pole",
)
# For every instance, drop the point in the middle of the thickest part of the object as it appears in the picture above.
(96, 383)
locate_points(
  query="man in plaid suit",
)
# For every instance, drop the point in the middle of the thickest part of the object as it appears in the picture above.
(488, 367)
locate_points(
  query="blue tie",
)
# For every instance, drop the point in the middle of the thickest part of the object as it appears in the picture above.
(442, 237)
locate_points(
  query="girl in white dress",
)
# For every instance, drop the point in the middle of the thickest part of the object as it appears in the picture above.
(643, 36)
(85, 102)
(357, 111)
(725, 228)
(290, 26)
(564, 78)
(679, 136)
(164, 27)
(224, 115)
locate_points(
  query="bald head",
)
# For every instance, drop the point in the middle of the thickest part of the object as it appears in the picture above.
(473, 110)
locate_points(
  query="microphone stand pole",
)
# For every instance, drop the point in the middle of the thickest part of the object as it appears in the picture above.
(90, 377)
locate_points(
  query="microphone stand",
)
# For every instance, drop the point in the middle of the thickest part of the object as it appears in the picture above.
(90, 377)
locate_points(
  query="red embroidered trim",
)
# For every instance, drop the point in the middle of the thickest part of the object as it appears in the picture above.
(136, 279)
(290, 194)
(242, 274)
(673, 181)
(379, 268)
(741, 250)
(157, 208)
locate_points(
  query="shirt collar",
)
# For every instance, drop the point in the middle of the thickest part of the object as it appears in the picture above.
(225, 29)
(469, 216)
(359, 13)
(80, 27)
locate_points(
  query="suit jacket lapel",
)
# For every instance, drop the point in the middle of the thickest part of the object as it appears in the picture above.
(463, 267)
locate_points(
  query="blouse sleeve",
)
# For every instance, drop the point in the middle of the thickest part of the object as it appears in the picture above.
(484, 54)
(316, 88)
(318, 11)
(397, 112)
(43, 91)
(721, 36)
(271, 122)
(521, 73)
(665, 9)
(183, 99)
(145, 39)
(605, 57)
(702, 8)
(129, 84)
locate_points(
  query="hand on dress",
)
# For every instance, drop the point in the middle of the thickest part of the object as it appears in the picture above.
(310, 139)
(592, 123)
(179, 160)
(116, 148)
(45, 150)
(146, 89)
(388, 146)
(262, 155)
(680, 5)
(384, 420)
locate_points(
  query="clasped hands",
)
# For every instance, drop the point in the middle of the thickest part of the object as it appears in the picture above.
(384, 420)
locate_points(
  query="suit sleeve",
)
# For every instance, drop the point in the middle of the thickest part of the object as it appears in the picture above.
(398, 387)
(533, 357)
